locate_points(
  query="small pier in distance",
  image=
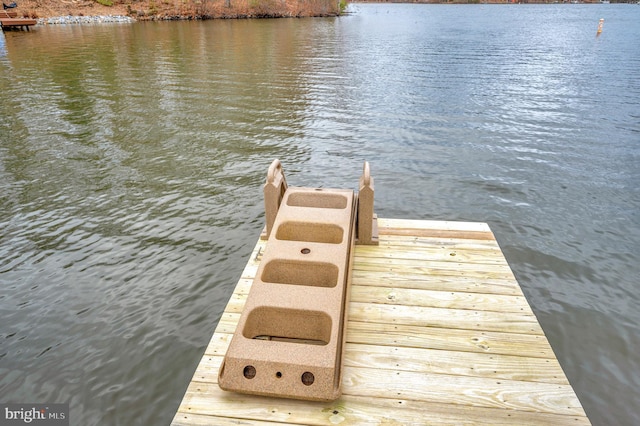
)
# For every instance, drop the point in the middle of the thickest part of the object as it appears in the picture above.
(438, 332)
(9, 21)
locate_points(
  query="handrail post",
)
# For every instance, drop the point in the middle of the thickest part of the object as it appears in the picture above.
(274, 190)
(367, 219)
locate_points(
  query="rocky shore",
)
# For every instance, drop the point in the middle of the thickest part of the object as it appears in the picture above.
(64, 20)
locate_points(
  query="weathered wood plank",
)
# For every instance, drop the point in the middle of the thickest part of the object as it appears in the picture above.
(402, 297)
(455, 293)
(442, 225)
(419, 260)
(17, 22)
(438, 229)
(208, 400)
(388, 257)
(550, 398)
(445, 318)
(370, 253)
(436, 233)
(251, 267)
(457, 363)
(528, 345)
(469, 391)
(425, 316)
(189, 419)
(433, 268)
(439, 299)
(397, 241)
(438, 282)
(472, 364)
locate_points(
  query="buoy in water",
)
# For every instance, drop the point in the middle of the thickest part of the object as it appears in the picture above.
(600, 24)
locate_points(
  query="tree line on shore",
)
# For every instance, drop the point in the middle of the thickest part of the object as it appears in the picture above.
(181, 9)
(212, 9)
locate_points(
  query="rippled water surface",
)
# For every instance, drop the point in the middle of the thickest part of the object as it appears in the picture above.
(132, 159)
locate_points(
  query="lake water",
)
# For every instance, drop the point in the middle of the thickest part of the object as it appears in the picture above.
(132, 159)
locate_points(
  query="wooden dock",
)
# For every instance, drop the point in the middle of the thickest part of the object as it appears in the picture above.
(439, 332)
(9, 20)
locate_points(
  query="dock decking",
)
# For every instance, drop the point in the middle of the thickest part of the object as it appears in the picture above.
(438, 332)
(9, 20)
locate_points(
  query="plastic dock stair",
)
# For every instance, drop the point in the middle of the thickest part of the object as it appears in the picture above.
(290, 337)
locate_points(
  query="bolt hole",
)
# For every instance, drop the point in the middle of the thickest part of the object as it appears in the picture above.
(305, 251)
(249, 372)
(308, 378)
(278, 374)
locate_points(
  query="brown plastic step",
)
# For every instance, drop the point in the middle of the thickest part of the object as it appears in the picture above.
(290, 337)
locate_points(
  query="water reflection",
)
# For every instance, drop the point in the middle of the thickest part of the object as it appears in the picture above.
(3, 49)
(132, 159)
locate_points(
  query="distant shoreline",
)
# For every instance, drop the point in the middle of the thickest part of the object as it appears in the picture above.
(77, 11)
(54, 12)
